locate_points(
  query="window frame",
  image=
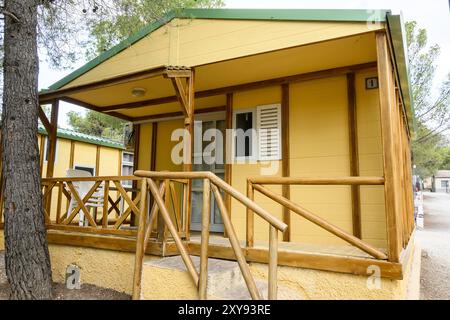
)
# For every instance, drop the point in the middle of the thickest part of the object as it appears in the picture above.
(254, 144)
(126, 163)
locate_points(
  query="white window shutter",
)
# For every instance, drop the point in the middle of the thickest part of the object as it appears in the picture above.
(268, 119)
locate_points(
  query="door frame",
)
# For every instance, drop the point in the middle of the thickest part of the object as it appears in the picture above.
(210, 116)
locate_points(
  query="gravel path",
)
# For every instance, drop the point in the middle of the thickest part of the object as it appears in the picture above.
(435, 242)
(60, 292)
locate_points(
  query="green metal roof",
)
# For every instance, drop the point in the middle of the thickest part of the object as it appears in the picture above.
(399, 45)
(232, 14)
(76, 136)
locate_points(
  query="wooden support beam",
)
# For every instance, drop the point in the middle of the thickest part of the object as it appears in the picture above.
(354, 154)
(188, 147)
(286, 189)
(41, 154)
(206, 217)
(181, 95)
(247, 86)
(386, 91)
(52, 138)
(93, 107)
(144, 74)
(137, 142)
(72, 155)
(44, 120)
(140, 243)
(228, 151)
(175, 115)
(97, 161)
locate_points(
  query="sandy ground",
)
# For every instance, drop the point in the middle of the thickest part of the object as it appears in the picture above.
(60, 292)
(435, 242)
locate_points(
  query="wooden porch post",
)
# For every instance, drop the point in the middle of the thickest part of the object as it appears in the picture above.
(52, 137)
(183, 81)
(286, 189)
(388, 133)
(189, 126)
(137, 141)
(52, 130)
(353, 151)
(227, 157)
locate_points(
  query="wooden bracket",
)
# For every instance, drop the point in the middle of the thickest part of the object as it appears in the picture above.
(43, 117)
(182, 97)
(177, 72)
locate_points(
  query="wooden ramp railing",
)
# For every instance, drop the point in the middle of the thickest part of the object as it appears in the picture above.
(257, 184)
(211, 184)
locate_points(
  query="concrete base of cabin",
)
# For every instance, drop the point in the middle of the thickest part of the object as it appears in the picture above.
(166, 278)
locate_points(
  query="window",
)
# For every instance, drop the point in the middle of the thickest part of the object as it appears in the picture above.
(244, 142)
(91, 170)
(257, 133)
(127, 167)
(444, 184)
(47, 149)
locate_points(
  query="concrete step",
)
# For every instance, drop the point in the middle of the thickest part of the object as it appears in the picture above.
(167, 278)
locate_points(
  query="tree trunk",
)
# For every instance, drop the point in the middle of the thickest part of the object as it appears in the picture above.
(26, 258)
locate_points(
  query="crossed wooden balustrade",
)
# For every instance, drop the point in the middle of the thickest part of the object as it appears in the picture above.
(113, 193)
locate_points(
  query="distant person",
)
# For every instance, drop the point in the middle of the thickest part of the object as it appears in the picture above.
(418, 187)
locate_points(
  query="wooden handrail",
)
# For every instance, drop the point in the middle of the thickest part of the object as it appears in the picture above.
(277, 223)
(93, 179)
(317, 181)
(245, 270)
(211, 183)
(322, 223)
(166, 217)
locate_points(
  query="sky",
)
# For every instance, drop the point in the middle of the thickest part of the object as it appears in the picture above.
(433, 15)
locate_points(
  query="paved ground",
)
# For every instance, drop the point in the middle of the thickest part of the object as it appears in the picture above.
(60, 292)
(435, 242)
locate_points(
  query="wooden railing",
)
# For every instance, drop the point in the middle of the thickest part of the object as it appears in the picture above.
(105, 206)
(258, 182)
(211, 184)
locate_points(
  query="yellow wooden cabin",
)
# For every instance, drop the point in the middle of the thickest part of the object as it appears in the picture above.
(329, 199)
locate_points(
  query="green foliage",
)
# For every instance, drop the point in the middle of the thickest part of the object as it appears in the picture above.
(97, 124)
(428, 154)
(445, 153)
(432, 116)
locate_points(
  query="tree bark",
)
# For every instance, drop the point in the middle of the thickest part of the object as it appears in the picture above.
(27, 258)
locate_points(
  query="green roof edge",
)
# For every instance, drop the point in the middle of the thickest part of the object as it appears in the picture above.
(398, 38)
(65, 134)
(347, 15)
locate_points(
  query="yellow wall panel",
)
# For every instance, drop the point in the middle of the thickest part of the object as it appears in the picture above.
(145, 147)
(109, 162)
(164, 145)
(85, 155)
